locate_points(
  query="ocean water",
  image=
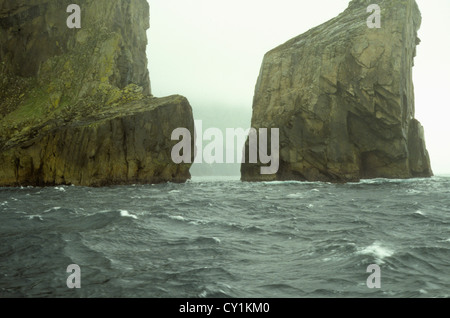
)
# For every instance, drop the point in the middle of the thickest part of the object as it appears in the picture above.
(219, 237)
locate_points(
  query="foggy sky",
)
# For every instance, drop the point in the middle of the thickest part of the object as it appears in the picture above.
(211, 51)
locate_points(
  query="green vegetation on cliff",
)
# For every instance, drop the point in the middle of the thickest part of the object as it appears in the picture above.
(75, 104)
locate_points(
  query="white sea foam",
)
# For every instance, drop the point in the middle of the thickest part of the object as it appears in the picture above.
(177, 217)
(289, 182)
(419, 212)
(37, 216)
(125, 213)
(331, 259)
(295, 195)
(383, 180)
(60, 189)
(372, 181)
(378, 251)
(198, 222)
(54, 208)
(280, 182)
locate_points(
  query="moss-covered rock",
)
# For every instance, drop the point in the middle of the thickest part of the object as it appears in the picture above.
(75, 104)
(343, 98)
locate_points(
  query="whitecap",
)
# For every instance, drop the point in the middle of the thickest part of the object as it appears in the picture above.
(37, 216)
(296, 195)
(217, 240)
(331, 259)
(372, 181)
(125, 213)
(281, 182)
(54, 208)
(60, 189)
(290, 182)
(378, 251)
(198, 222)
(419, 212)
(177, 217)
(174, 191)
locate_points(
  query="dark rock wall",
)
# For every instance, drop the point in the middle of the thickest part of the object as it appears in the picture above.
(343, 97)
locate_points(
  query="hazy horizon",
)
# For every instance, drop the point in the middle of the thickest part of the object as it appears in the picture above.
(211, 53)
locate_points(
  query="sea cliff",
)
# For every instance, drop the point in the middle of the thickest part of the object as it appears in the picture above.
(342, 95)
(76, 104)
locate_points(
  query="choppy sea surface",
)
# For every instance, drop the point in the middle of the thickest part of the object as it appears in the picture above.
(219, 237)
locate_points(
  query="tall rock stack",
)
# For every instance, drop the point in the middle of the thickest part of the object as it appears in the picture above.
(343, 97)
(76, 104)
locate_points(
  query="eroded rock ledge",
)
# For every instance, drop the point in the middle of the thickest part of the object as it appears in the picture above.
(76, 105)
(343, 97)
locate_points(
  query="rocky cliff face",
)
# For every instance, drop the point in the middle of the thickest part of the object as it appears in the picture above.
(343, 98)
(75, 104)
